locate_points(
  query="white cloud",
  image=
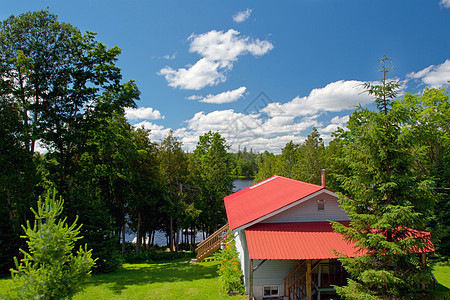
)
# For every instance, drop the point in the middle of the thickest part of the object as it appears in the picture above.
(40, 147)
(340, 120)
(225, 97)
(196, 77)
(170, 57)
(219, 50)
(142, 113)
(334, 97)
(249, 130)
(271, 127)
(334, 124)
(241, 16)
(194, 97)
(433, 76)
(445, 3)
(276, 124)
(225, 47)
(157, 132)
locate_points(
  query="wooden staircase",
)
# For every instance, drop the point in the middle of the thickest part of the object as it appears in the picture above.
(212, 243)
(295, 283)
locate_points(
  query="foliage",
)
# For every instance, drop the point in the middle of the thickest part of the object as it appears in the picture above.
(427, 118)
(18, 178)
(173, 166)
(388, 202)
(246, 163)
(50, 270)
(58, 87)
(156, 255)
(302, 162)
(229, 268)
(212, 164)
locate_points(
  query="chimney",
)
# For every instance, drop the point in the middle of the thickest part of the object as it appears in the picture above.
(323, 177)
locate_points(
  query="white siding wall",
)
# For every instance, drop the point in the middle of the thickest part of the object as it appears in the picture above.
(307, 211)
(241, 246)
(271, 273)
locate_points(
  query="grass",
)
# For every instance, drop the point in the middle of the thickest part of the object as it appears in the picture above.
(162, 280)
(176, 280)
(442, 274)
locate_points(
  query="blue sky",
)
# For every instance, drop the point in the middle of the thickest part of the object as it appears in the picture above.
(261, 73)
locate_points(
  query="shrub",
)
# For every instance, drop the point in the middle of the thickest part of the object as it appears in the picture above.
(229, 268)
(155, 254)
(50, 270)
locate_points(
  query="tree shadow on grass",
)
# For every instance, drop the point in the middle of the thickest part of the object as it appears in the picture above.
(143, 274)
(442, 289)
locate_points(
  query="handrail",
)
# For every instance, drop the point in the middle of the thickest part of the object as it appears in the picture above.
(298, 279)
(293, 282)
(293, 271)
(212, 243)
(220, 230)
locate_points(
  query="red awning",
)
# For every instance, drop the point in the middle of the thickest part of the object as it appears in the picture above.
(304, 240)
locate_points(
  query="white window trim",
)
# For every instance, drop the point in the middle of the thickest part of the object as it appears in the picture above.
(271, 287)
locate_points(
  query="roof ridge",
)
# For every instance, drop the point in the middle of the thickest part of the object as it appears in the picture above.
(299, 181)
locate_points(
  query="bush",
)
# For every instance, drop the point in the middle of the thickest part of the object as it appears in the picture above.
(229, 268)
(50, 270)
(155, 254)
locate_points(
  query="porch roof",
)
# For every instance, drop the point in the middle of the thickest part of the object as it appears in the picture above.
(295, 241)
(306, 240)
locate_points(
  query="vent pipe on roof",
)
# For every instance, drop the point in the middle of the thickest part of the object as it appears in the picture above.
(323, 177)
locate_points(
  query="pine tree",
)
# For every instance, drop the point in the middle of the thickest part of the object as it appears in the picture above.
(388, 201)
(50, 270)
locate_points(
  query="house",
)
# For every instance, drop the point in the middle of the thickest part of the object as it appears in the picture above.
(285, 242)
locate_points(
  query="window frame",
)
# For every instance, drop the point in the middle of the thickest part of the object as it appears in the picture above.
(321, 205)
(271, 289)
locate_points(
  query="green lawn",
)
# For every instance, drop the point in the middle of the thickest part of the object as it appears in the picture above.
(442, 274)
(166, 280)
(175, 280)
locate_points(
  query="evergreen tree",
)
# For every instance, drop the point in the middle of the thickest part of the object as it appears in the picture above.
(311, 159)
(388, 201)
(428, 120)
(50, 270)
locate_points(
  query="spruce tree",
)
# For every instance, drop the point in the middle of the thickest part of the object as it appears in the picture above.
(51, 269)
(386, 201)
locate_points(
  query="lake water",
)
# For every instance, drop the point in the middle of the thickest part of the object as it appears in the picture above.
(240, 184)
(160, 237)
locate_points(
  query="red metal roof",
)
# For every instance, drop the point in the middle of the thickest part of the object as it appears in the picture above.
(265, 197)
(305, 240)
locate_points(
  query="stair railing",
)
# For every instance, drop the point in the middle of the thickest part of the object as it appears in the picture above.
(212, 243)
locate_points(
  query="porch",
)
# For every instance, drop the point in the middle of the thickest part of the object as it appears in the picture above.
(307, 279)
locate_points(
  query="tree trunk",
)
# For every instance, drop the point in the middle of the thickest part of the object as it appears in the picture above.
(123, 237)
(138, 233)
(144, 240)
(171, 235)
(192, 238)
(177, 238)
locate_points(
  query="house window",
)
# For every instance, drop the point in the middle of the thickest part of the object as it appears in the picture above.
(270, 291)
(320, 204)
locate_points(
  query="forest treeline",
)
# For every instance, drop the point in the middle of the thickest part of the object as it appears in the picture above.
(62, 89)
